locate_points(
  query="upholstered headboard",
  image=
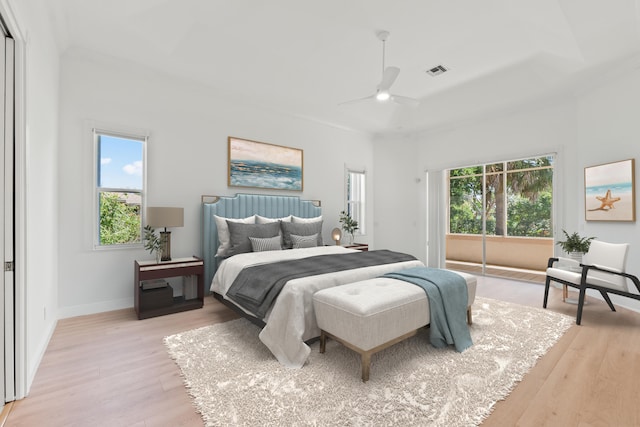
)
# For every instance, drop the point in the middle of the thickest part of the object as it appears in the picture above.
(241, 206)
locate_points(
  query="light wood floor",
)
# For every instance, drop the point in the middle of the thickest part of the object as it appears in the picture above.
(111, 369)
(537, 276)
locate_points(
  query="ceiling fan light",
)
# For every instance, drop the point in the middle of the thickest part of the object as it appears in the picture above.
(383, 95)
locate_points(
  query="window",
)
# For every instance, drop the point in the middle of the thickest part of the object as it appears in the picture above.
(120, 179)
(355, 186)
(517, 199)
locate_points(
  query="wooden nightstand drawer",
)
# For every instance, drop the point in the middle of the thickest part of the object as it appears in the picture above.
(359, 246)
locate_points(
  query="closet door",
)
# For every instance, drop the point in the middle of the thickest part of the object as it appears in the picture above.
(7, 355)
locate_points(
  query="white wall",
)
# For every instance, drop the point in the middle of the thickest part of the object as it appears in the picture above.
(37, 312)
(598, 126)
(187, 157)
(544, 130)
(608, 131)
(397, 195)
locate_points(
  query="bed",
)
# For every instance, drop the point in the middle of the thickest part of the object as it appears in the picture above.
(290, 321)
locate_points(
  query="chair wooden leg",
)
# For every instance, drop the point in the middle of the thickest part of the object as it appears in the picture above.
(608, 300)
(546, 292)
(565, 293)
(323, 341)
(469, 316)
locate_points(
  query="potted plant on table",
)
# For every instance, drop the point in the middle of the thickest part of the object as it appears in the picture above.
(349, 225)
(575, 245)
(152, 243)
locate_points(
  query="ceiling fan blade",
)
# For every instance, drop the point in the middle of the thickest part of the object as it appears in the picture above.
(405, 100)
(389, 76)
(353, 101)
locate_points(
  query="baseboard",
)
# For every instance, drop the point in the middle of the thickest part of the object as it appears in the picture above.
(100, 307)
(39, 355)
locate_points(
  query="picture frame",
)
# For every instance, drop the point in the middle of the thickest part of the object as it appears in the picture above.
(257, 164)
(610, 191)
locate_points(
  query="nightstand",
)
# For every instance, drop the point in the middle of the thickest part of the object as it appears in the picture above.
(359, 246)
(158, 299)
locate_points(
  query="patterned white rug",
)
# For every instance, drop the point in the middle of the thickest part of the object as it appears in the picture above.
(235, 380)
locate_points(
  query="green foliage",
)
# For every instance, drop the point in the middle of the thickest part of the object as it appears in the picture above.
(119, 221)
(530, 218)
(575, 243)
(151, 241)
(349, 225)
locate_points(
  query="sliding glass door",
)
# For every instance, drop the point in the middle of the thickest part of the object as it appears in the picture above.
(500, 217)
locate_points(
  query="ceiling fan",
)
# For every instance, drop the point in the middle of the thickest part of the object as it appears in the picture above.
(389, 76)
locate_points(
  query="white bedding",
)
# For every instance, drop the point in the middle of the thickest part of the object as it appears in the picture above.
(291, 320)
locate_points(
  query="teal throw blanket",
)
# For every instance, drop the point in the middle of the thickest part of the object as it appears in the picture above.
(448, 297)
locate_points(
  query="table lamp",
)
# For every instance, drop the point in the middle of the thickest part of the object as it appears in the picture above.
(336, 234)
(165, 217)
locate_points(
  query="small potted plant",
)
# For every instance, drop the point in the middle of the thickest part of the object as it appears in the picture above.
(152, 242)
(349, 225)
(575, 245)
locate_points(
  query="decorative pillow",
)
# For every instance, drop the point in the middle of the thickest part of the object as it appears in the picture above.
(265, 220)
(305, 229)
(260, 244)
(305, 220)
(240, 233)
(223, 231)
(304, 241)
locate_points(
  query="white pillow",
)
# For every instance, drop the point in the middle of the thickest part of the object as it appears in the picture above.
(265, 220)
(223, 231)
(297, 219)
(304, 241)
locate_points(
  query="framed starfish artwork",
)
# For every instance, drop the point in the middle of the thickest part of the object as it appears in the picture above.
(609, 191)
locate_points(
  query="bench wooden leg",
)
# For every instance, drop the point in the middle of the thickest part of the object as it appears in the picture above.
(366, 364)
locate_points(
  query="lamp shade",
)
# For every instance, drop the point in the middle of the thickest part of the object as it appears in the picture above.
(336, 234)
(165, 217)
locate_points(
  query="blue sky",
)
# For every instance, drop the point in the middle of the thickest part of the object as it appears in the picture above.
(120, 163)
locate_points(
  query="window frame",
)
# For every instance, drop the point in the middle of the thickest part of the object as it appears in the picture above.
(130, 135)
(360, 203)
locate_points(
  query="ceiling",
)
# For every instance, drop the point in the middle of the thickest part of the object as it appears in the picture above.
(304, 58)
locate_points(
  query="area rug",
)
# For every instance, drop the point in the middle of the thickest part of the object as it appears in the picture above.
(234, 379)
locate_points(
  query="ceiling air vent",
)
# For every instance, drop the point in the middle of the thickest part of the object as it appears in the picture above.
(437, 70)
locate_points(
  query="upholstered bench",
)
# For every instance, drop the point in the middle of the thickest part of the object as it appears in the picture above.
(374, 314)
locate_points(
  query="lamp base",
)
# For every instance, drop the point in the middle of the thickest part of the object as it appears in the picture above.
(165, 239)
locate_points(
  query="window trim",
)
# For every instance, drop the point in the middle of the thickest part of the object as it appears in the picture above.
(362, 229)
(505, 173)
(134, 136)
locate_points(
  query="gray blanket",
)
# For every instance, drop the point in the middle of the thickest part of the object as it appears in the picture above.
(256, 287)
(448, 298)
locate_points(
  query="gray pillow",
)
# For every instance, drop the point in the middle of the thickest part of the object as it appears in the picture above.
(300, 229)
(240, 233)
(260, 244)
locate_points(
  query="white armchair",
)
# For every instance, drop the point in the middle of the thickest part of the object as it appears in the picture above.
(602, 268)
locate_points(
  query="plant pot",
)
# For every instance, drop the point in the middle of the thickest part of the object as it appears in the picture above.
(576, 256)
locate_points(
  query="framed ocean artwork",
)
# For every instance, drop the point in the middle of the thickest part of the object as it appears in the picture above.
(261, 165)
(610, 191)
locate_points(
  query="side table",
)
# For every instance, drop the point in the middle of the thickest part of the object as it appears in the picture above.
(151, 270)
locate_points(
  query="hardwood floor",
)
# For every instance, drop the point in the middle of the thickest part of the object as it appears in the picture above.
(111, 369)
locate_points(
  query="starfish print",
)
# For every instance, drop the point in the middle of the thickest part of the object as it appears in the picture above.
(607, 202)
